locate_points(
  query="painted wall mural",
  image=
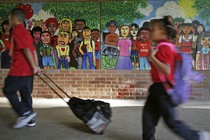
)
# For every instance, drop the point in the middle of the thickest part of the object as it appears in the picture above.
(107, 35)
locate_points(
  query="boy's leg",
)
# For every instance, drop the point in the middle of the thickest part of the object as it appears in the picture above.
(169, 116)
(12, 85)
(26, 92)
(66, 63)
(90, 55)
(84, 61)
(59, 63)
(141, 63)
(147, 65)
(151, 115)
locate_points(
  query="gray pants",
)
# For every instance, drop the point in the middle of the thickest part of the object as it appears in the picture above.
(79, 59)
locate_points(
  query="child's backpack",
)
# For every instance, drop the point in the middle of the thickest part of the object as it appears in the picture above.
(184, 75)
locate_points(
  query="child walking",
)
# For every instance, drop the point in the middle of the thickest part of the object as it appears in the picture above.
(158, 103)
(21, 75)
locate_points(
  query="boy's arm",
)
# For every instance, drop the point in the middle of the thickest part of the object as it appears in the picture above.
(36, 58)
(58, 52)
(80, 48)
(29, 57)
(94, 56)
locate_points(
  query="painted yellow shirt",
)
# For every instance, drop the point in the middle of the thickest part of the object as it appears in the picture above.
(63, 51)
(89, 48)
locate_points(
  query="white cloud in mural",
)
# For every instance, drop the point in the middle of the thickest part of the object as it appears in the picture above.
(145, 11)
(170, 8)
(42, 15)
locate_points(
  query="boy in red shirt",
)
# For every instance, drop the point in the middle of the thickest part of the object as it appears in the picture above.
(143, 47)
(21, 75)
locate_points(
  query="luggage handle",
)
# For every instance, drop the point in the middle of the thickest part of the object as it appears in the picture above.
(52, 87)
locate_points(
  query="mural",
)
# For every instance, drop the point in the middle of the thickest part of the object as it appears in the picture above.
(107, 35)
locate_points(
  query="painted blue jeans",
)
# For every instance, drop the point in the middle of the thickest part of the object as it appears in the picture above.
(63, 60)
(84, 62)
(144, 63)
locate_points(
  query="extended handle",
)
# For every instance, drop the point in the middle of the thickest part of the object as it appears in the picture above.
(53, 88)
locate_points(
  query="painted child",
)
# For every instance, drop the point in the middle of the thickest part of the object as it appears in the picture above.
(95, 35)
(134, 50)
(52, 26)
(36, 32)
(203, 51)
(63, 50)
(87, 49)
(186, 40)
(46, 50)
(6, 38)
(124, 45)
(111, 39)
(72, 53)
(143, 47)
(66, 25)
(2, 48)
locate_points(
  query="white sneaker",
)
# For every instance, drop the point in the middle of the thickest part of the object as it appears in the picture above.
(24, 120)
(32, 123)
(204, 135)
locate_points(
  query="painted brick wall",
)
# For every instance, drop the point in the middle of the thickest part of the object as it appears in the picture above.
(106, 84)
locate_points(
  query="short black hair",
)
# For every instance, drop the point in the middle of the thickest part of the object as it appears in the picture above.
(86, 27)
(20, 14)
(45, 32)
(81, 20)
(186, 24)
(37, 29)
(134, 25)
(95, 30)
(5, 22)
(144, 28)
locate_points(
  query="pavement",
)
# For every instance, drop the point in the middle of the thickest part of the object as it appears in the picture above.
(55, 121)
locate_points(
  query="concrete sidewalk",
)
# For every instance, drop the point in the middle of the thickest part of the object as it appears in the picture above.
(59, 123)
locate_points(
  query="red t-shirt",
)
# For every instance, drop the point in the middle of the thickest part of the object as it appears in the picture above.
(167, 56)
(143, 48)
(22, 39)
(7, 40)
(97, 45)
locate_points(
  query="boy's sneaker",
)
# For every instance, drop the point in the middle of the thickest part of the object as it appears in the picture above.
(32, 123)
(24, 120)
(204, 135)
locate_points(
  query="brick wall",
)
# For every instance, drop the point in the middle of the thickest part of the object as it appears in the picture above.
(106, 84)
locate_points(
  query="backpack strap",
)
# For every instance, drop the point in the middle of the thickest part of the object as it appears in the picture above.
(162, 77)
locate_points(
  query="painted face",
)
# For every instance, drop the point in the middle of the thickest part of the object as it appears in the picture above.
(74, 34)
(65, 25)
(6, 27)
(200, 29)
(79, 25)
(95, 35)
(112, 28)
(52, 28)
(144, 35)
(45, 37)
(186, 29)
(205, 41)
(63, 39)
(134, 31)
(124, 31)
(36, 35)
(86, 33)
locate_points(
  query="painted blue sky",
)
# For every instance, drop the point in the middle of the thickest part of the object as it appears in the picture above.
(154, 4)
